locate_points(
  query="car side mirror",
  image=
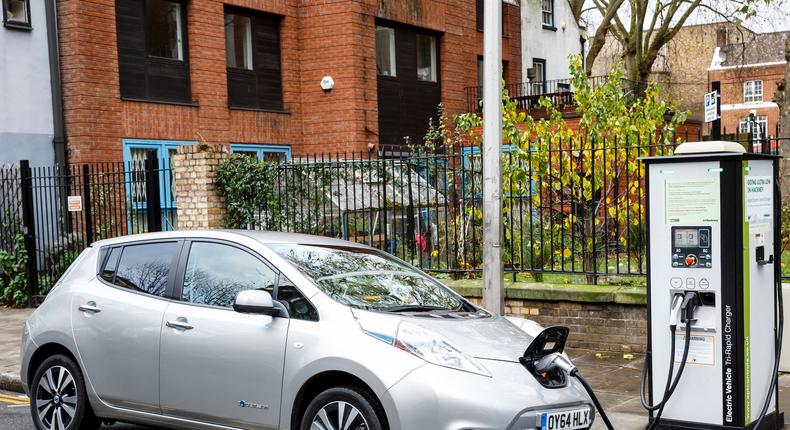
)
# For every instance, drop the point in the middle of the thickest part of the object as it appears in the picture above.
(256, 302)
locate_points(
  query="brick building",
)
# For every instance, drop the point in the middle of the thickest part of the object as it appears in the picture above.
(749, 73)
(142, 75)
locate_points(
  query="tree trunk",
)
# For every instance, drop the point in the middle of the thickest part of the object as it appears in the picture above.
(782, 97)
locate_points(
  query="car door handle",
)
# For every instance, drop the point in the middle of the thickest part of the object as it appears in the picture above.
(89, 307)
(180, 325)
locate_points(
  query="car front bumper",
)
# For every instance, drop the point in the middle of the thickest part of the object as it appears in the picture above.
(438, 398)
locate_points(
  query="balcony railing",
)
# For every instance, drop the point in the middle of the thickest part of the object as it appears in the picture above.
(560, 91)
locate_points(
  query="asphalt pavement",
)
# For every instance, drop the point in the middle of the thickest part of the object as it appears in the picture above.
(15, 414)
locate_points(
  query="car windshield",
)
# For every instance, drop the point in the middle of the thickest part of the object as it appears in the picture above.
(368, 279)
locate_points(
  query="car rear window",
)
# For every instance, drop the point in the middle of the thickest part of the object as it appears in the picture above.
(143, 268)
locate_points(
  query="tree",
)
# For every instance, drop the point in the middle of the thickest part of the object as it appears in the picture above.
(782, 98)
(644, 27)
(584, 188)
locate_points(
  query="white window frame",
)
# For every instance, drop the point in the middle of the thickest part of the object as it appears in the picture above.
(392, 47)
(434, 72)
(750, 94)
(744, 126)
(547, 12)
(230, 36)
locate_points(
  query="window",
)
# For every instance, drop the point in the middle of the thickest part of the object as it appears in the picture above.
(263, 152)
(135, 153)
(163, 26)
(752, 91)
(16, 14)
(547, 11)
(252, 53)
(539, 82)
(758, 127)
(216, 273)
(426, 58)
(238, 41)
(145, 268)
(108, 272)
(367, 279)
(385, 51)
(480, 14)
(295, 302)
(152, 50)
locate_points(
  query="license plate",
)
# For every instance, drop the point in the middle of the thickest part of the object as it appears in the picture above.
(570, 419)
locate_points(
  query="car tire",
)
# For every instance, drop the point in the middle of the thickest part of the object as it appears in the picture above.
(340, 404)
(58, 400)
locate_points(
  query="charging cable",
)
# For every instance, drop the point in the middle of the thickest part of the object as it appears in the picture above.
(688, 307)
(674, 317)
(683, 307)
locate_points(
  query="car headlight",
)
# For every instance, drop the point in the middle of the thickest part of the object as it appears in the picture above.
(434, 349)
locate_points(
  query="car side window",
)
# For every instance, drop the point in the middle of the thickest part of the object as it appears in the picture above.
(216, 273)
(108, 271)
(146, 267)
(297, 304)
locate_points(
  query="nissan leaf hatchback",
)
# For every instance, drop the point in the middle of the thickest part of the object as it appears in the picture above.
(258, 330)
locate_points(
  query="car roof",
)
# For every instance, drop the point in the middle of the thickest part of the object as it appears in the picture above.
(265, 237)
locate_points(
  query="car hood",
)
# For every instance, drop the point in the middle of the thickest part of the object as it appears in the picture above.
(490, 338)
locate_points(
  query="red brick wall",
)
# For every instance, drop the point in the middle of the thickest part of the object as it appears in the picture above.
(318, 38)
(732, 93)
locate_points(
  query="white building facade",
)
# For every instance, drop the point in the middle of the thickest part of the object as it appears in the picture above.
(549, 34)
(28, 123)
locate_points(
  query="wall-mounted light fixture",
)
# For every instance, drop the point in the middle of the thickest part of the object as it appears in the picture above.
(327, 83)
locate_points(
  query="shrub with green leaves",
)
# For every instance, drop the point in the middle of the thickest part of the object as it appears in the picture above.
(13, 279)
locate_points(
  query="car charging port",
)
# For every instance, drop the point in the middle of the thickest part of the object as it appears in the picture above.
(540, 357)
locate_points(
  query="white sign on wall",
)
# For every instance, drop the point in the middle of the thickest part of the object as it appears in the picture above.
(711, 102)
(75, 203)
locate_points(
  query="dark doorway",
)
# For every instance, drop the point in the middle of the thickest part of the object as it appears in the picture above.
(409, 85)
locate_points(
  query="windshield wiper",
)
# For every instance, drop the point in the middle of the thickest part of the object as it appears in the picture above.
(414, 308)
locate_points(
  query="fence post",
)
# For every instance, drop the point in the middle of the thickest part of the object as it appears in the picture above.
(152, 197)
(29, 220)
(86, 191)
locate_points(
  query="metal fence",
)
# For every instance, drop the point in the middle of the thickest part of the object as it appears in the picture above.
(60, 210)
(560, 92)
(569, 207)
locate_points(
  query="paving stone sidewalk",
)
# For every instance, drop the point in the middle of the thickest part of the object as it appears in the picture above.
(614, 378)
(11, 323)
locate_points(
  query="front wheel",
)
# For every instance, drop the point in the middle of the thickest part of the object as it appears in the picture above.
(58, 399)
(342, 408)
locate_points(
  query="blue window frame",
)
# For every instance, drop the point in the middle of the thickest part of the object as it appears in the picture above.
(135, 152)
(473, 163)
(263, 152)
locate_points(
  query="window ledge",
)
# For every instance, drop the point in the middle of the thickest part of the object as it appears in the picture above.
(252, 109)
(18, 26)
(549, 27)
(161, 102)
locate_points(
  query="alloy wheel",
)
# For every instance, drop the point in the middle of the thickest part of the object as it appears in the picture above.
(56, 398)
(339, 416)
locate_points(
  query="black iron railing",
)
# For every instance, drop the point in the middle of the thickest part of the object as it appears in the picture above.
(560, 92)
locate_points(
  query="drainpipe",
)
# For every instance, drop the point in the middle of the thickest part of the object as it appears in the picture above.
(59, 138)
(582, 42)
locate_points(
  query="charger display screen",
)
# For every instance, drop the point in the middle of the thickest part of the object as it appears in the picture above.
(686, 238)
(691, 247)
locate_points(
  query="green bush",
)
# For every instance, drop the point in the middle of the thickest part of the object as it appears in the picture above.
(13, 279)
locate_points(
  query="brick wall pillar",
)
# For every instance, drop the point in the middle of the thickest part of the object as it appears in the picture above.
(200, 205)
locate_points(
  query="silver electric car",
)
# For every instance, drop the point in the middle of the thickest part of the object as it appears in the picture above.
(258, 330)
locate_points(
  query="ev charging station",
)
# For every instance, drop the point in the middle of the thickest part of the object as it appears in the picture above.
(714, 291)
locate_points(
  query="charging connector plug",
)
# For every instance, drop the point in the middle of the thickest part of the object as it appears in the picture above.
(674, 312)
(691, 302)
